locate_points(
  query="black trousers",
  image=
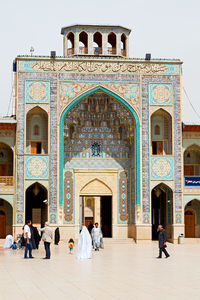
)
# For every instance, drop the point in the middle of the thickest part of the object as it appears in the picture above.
(47, 249)
(163, 249)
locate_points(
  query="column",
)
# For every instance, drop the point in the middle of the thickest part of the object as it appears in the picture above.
(97, 210)
(76, 43)
(118, 44)
(104, 43)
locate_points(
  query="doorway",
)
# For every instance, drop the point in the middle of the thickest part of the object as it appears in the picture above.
(106, 216)
(158, 213)
(189, 224)
(162, 207)
(2, 224)
(37, 204)
(97, 209)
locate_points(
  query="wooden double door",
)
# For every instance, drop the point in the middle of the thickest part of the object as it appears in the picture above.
(189, 224)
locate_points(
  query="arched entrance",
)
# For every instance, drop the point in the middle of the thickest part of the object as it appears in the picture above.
(96, 204)
(192, 219)
(162, 208)
(189, 224)
(99, 133)
(37, 204)
(6, 218)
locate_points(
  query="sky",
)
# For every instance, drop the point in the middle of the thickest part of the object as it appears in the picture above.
(166, 29)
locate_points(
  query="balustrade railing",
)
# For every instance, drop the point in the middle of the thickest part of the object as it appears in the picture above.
(123, 52)
(83, 50)
(70, 51)
(111, 51)
(6, 180)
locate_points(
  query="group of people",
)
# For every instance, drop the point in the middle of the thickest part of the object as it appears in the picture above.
(47, 236)
(88, 238)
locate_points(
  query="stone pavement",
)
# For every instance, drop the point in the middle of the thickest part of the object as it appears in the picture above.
(119, 272)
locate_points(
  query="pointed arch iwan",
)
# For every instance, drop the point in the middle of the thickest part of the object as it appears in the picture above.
(137, 126)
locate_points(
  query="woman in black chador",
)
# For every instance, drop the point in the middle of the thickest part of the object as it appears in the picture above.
(57, 236)
(35, 237)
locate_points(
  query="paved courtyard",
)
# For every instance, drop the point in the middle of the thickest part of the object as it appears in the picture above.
(119, 272)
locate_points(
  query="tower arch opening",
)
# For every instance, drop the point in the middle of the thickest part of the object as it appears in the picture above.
(112, 43)
(83, 43)
(123, 45)
(70, 43)
(97, 43)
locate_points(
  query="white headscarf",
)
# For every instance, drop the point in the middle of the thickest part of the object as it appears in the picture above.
(9, 241)
(84, 244)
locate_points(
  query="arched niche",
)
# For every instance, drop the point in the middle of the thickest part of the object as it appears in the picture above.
(6, 164)
(37, 131)
(192, 161)
(161, 133)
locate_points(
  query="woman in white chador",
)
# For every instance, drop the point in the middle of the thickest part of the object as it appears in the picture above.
(8, 242)
(84, 244)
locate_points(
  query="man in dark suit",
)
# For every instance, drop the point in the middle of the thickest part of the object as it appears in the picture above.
(162, 242)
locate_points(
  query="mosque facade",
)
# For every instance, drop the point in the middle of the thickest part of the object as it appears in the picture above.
(97, 136)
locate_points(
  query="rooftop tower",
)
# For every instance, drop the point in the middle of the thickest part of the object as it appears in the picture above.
(96, 40)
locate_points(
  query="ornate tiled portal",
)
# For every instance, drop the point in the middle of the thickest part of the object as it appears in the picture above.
(99, 132)
(98, 105)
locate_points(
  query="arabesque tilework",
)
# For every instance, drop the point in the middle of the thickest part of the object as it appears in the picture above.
(37, 91)
(160, 94)
(123, 197)
(36, 167)
(162, 168)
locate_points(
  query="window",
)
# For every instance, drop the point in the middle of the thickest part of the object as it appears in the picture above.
(157, 130)
(36, 147)
(36, 130)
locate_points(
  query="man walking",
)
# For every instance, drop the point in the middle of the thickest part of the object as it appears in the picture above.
(162, 242)
(47, 238)
(27, 238)
(96, 236)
